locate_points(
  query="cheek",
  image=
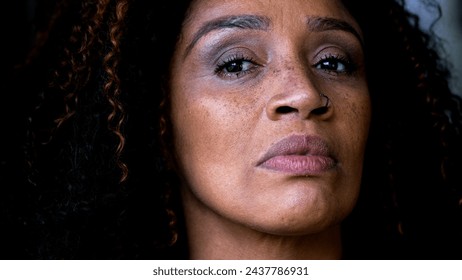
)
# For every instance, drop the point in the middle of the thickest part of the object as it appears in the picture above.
(211, 134)
(349, 128)
(213, 145)
(355, 113)
(352, 108)
(359, 116)
(356, 116)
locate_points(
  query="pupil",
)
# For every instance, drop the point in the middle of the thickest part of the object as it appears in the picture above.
(331, 64)
(234, 67)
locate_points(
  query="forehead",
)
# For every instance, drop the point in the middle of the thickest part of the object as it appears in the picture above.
(277, 15)
(278, 11)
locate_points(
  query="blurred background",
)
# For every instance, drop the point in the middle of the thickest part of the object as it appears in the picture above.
(448, 28)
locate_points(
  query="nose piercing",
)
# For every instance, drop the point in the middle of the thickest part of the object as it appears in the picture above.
(323, 96)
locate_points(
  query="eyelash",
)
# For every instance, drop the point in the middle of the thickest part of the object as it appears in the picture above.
(350, 67)
(239, 60)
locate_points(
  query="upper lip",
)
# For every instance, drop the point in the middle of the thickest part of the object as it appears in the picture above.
(298, 145)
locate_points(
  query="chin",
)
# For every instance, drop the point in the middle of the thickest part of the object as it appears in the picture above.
(305, 210)
(294, 230)
(300, 221)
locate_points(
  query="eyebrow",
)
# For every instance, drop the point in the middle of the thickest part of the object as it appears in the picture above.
(254, 22)
(320, 24)
(241, 22)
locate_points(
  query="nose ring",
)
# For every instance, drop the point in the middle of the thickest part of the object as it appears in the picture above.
(323, 96)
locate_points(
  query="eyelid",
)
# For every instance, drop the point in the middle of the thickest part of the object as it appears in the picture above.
(227, 54)
(233, 23)
(217, 42)
(337, 53)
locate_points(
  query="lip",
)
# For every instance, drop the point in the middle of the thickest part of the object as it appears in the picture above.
(299, 155)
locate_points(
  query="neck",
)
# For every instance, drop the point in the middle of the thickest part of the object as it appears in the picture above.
(212, 236)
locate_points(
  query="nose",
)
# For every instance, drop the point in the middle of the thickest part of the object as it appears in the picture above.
(297, 96)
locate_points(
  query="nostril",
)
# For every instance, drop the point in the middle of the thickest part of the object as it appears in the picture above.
(320, 111)
(285, 110)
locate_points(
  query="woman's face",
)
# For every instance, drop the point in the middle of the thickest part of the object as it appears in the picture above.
(253, 143)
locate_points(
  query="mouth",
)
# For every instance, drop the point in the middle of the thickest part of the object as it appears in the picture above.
(299, 155)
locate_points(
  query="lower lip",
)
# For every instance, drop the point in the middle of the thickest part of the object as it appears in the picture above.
(300, 165)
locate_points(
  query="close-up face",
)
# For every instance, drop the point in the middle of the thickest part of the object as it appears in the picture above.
(270, 113)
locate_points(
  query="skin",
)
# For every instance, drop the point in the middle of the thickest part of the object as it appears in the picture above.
(236, 92)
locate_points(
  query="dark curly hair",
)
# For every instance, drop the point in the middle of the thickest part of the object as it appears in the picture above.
(410, 205)
(89, 153)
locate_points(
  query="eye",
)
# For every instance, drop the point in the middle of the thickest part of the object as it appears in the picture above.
(335, 64)
(235, 66)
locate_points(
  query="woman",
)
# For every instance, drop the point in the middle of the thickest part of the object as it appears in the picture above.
(301, 130)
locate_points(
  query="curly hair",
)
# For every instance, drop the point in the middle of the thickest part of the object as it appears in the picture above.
(99, 182)
(412, 161)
